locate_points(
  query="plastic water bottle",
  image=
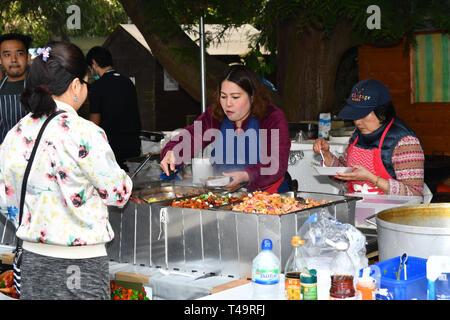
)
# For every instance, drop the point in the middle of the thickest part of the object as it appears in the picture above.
(266, 273)
(438, 274)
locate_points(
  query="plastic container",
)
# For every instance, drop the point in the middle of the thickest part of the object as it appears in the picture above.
(413, 288)
(324, 125)
(365, 286)
(266, 273)
(438, 278)
(308, 283)
(295, 265)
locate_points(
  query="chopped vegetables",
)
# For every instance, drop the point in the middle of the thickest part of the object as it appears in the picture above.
(266, 203)
(121, 293)
(205, 201)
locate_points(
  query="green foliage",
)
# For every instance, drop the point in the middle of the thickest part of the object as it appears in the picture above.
(262, 65)
(46, 20)
(166, 16)
(399, 18)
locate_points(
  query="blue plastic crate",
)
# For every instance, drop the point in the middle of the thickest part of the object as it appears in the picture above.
(415, 285)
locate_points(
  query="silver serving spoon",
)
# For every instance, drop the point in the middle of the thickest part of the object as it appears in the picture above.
(323, 159)
(406, 263)
(402, 264)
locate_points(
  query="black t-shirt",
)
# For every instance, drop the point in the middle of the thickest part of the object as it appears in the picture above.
(14, 88)
(114, 97)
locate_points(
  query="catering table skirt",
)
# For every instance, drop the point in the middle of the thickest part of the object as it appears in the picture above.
(163, 286)
(171, 286)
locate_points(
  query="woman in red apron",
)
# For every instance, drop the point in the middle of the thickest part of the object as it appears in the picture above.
(241, 113)
(385, 153)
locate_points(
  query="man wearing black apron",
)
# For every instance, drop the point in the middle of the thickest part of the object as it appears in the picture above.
(15, 58)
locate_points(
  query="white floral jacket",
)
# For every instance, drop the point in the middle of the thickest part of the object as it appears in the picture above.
(74, 177)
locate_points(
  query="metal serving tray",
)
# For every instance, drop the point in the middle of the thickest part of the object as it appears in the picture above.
(7, 232)
(162, 193)
(215, 240)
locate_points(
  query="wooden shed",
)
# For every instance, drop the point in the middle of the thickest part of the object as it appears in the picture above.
(164, 105)
(418, 79)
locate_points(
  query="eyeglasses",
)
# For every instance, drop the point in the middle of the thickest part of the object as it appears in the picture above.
(82, 81)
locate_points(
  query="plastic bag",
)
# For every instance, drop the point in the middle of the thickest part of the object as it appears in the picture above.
(321, 226)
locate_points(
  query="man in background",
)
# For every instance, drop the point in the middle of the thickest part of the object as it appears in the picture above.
(113, 106)
(14, 58)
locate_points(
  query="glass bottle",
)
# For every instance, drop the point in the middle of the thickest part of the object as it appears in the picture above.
(293, 269)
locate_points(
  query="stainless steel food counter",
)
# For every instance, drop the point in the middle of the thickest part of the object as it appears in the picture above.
(216, 240)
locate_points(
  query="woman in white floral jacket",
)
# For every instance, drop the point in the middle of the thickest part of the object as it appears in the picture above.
(74, 177)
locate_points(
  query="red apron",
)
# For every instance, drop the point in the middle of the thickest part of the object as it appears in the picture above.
(371, 159)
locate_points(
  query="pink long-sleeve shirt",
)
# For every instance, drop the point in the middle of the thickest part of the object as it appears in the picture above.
(276, 149)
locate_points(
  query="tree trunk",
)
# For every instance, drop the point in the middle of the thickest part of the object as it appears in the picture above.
(185, 71)
(307, 63)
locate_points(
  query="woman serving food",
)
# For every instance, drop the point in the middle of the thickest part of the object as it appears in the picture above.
(385, 153)
(250, 135)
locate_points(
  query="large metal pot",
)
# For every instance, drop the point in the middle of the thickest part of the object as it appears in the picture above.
(419, 230)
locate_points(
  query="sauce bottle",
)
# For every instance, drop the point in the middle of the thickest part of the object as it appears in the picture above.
(365, 286)
(342, 274)
(365, 289)
(293, 269)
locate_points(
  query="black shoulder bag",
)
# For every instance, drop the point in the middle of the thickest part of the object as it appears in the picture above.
(18, 251)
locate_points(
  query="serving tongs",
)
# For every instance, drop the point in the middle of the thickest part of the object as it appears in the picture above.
(229, 190)
(148, 157)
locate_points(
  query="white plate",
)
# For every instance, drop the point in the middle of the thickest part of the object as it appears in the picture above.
(332, 171)
(219, 181)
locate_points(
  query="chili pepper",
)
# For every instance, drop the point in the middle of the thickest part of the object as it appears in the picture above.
(120, 293)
